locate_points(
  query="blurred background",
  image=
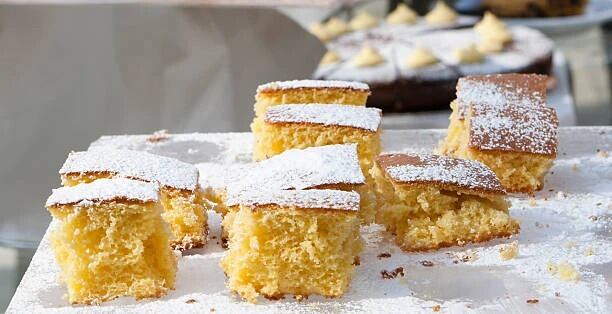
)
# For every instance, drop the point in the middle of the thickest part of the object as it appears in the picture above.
(73, 70)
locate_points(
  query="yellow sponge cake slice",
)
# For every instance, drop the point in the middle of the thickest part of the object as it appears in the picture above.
(178, 180)
(299, 242)
(110, 240)
(310, 91)
(429, 202)
(503, 121)
(307, 125)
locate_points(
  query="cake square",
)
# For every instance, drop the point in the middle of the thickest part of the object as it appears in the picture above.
(429, 201)
(309, 91)
(323, 167)
(503, 121)
(183, 207)
(307, 125)
(299, 242)
(110, 240)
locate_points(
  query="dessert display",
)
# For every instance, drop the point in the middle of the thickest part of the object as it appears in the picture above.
(183, 209)
(306, 125)
(429, 202)
(110, 240)
(298, 242)
(503, 122)
(321, 212)
(413, 64)
(535, 8)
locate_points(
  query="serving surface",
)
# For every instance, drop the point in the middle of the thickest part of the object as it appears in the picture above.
(569, 221)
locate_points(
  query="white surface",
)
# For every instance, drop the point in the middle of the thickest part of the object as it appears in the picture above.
(560, 98)
(569, 216)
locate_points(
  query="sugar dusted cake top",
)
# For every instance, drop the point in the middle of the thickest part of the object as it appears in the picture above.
(105, 190)
(514, 129)
(305, 168)
(312, 84)
(499, 90)
(168, 172)
(326, 114)
(303, 199)
(467, 175)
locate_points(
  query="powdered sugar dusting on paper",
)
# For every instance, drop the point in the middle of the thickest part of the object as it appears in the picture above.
(166, 171)
(326, 114)
(469, 174)
(104, 190)
(307, 199)
(513, 128)
(295, 84)
(574, 207)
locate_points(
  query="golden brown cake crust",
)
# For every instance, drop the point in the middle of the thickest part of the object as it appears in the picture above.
(501, 90)
(516, 129)
(525, 85)
(464, 176)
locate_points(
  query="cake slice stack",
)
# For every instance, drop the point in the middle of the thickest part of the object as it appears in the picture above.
(178, 181)
(110, 240)
(503, 121)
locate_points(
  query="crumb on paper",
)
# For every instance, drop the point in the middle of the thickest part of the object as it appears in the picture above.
(532, 202)
(557, 294)
(594, 218)
(589, 251)
(158, 136)
(190, 301)
(436, 308)
(569, 245)
(509, 251)
(603, 154)
(386, 274)
(532, 301)
(427, 263)
(212, 309)
(384, 255)
(563, 271)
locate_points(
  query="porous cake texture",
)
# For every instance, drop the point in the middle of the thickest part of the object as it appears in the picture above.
(298, 242)
(429, 201)
(307, 125)
(323, 167)
(110, 240)
(183, 208)
(309, 91)
(503, 121)
(304, 92)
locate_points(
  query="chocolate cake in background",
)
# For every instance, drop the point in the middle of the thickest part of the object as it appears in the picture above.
(413, 63)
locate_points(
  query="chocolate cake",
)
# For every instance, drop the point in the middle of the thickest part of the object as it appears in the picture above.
(399, 86)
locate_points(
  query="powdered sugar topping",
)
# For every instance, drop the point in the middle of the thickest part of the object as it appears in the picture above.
(326, 114)
(88, 194)
(409, 168)
(306, 199)
(514, 128)
(304, 168)
(296, 84)
(168, 172)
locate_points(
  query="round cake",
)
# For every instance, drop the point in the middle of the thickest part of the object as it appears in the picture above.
(415, 67)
